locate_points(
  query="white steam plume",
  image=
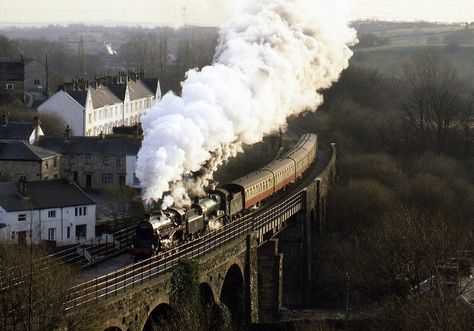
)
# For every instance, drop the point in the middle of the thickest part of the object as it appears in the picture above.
(272, 59)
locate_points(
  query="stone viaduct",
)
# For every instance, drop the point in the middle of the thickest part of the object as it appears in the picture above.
(256, 271)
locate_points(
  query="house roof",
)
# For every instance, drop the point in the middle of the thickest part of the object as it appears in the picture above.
(43, 195)
(16, 131)
(118, 89)
(11, 70)
(121, 145)
(79, 96)
(21, 151)
(151, 83)
(102, 96)
(138, 90)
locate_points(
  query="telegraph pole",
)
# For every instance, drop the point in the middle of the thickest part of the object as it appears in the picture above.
(346, 319)
(81, 57)
(46, 92)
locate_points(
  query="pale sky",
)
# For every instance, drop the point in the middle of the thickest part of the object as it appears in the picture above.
(208, 12)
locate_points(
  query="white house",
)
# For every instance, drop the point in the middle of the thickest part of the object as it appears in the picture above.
(45, 210)
(90, 109)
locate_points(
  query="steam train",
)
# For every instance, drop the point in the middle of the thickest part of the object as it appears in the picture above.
(165, 229)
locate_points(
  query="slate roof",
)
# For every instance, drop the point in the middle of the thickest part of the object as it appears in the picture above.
(21, 151)
(151, 83)
(17, 131)
(118, 90)
(11, 70)
(102, 96)
(83, 145)
(43, 195)
(79, 96)
(138, 90)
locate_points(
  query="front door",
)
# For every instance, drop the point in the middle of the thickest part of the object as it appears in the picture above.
(22, 237)
(88, 181)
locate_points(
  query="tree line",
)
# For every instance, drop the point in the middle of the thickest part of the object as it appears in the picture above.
(162, 52)
(401, 211)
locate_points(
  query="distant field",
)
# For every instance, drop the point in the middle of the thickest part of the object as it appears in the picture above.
(389, 59)
(407, 39)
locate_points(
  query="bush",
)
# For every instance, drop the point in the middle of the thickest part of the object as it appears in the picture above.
(378, 167)
(360, 203)
(439, 165)
(429, 194)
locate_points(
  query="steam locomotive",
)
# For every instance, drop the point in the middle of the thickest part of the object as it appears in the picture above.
(165, 229)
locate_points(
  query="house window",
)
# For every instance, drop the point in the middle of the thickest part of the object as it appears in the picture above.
(81, 230)
(68, 232)
(88, 158)
(21, 217)
(71, 158)
(90, 118)
(46, 164)
(119, 160)
(51, 234)
(80, 211)
(55, 162)
(107, 178)
(9, 86)
(105, 160)
(52, 213)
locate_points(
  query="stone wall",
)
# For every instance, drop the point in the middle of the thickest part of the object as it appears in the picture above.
(12, 170)
(94, 167)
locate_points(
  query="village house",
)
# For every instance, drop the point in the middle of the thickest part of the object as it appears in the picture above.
(55, 210)
(20, 159)
(22, 79)
(92, 108)
(12, 80)
(96, 162)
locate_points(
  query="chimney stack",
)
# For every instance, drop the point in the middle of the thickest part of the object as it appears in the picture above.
(4, 121)
(37, 127)
(67, 134)
(22, 187)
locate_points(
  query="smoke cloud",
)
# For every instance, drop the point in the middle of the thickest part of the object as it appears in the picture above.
(271, 60)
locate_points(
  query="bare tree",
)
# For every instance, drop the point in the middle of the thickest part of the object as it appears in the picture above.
(143, 51)
(432, 101)
(466, 121)
(52, 124)
(8, 48)
(34, 289)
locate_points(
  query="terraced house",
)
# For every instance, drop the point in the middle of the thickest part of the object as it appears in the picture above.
(96, 162)
(55, 210)
(92, 108)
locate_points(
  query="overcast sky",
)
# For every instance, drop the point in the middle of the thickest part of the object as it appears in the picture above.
(209, 12)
